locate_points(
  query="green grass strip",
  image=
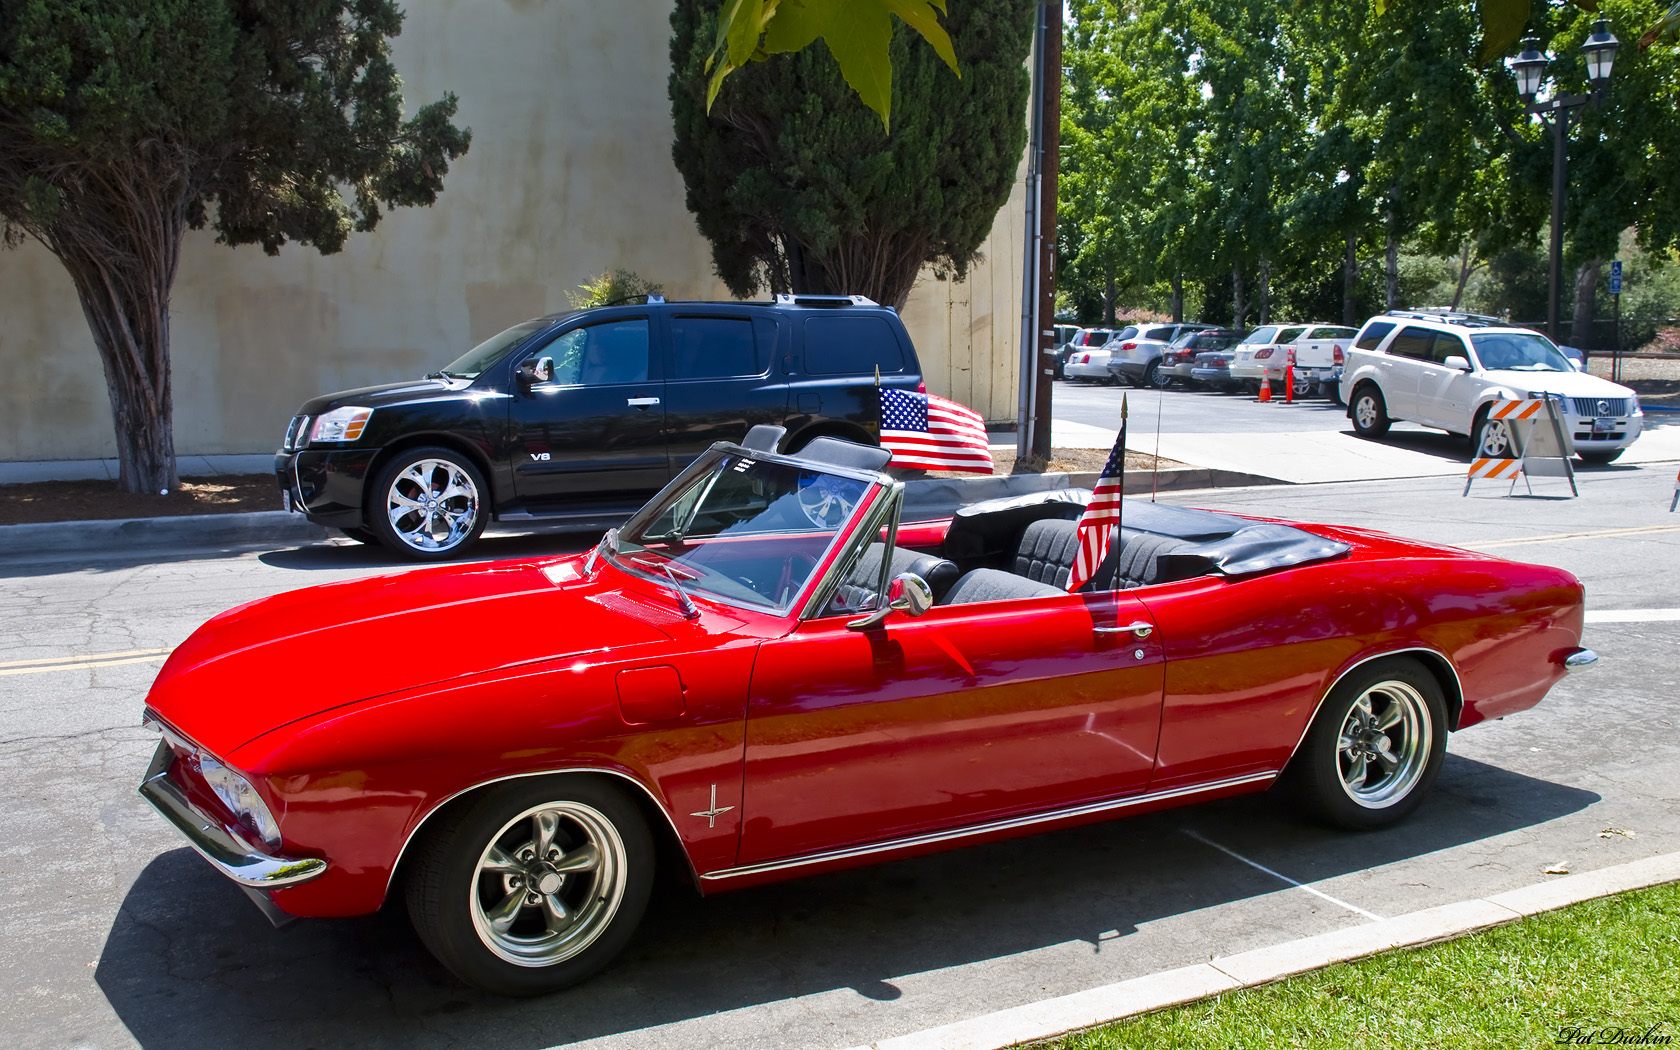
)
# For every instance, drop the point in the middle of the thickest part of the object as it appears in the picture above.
(1604, 972)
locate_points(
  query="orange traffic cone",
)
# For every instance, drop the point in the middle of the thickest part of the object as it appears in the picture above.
(1266, 389)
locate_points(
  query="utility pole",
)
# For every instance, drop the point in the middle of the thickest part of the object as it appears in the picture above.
(1038, 285)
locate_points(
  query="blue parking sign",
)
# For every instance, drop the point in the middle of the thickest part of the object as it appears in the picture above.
(1615, 267)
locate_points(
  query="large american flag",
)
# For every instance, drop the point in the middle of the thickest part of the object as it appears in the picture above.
(1102, 514)
(928, 432)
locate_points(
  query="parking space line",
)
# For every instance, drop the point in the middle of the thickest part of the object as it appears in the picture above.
(1278, 875)
(1632, 615)
(68, 663)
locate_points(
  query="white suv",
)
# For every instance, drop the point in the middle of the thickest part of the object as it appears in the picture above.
(1443, 370)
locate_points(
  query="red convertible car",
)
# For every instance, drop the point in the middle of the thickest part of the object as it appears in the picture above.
(766, 674)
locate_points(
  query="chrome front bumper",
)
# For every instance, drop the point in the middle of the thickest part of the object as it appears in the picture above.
(226, 848)
(1580, 660)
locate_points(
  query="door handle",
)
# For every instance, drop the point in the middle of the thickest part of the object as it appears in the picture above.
(1141, 628)
(641, 402)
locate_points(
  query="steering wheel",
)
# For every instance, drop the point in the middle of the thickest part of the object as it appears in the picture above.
(795, 570)
(824, 508)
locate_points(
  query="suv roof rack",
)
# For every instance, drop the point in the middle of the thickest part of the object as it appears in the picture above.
(1446, 316)
(784, 299)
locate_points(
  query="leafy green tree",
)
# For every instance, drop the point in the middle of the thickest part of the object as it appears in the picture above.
(125, 123)
(791, 179)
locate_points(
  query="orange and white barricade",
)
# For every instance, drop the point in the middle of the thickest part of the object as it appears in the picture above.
(1535, 444)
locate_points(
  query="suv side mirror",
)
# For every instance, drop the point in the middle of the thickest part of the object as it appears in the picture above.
(1458, 361)
(535, 370)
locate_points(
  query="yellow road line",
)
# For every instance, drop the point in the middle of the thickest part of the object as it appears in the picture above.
(68, 663)
(1564, 537)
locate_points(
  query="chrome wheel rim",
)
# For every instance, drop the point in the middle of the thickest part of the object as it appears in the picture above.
(1365, 412)
(432, 505)
(1496, 439)
(548, 884)
(1384, 744)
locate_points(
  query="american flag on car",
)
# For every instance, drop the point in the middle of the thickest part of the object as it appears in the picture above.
(1102, 515)
(928, 432)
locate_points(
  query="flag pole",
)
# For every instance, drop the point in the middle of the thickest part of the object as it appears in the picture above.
(1121, 506)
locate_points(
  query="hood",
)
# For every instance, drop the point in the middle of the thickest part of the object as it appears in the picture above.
(276, 660)
(386, 394)
(1569, 384)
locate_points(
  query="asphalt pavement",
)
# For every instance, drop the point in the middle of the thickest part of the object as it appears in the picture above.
(118, 936)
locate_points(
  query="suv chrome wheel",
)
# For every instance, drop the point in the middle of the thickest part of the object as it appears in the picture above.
(1370, 413)
(428, 503)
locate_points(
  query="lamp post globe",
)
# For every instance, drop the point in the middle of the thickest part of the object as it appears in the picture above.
(1600, 49)
(1529, 67)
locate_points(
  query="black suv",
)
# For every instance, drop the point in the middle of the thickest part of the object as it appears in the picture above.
(577, 418)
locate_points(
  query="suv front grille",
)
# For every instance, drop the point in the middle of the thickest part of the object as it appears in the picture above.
(295, 433)
(1601, 406)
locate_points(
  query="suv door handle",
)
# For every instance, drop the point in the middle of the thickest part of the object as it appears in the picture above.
(1141, 628)
(641, 402)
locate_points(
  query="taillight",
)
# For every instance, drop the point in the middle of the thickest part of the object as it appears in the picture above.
(1337, 357)
(1261, 355)
(1084, 359)
(1128, 346)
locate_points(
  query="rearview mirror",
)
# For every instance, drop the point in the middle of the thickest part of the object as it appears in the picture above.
(1457, 361)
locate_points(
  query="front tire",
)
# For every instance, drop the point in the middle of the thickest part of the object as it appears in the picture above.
(1369, 412)
(428, 503)
(1375, 748)
(535, 886)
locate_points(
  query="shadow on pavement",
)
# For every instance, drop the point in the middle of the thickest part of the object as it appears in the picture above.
(189, 961)
(347, 555)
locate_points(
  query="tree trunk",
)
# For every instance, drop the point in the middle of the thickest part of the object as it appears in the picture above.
(1350, 282)
(1265, 293)
(1586, 289)
(118, 232)
(1110, 293)
(1465, 269)
(1178, 298)
(1239, 304)
(1391, 268)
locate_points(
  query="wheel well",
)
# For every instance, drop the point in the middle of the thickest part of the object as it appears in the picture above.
(846, 431)
(1438, 667)
(670, 853)
(470, 452)
(1359, 388)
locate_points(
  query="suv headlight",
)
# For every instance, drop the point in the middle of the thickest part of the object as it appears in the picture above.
(341, 424)
(239, 797)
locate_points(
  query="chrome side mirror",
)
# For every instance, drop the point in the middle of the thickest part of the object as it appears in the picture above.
(1458, 361)
(908, 593)
(536, 370)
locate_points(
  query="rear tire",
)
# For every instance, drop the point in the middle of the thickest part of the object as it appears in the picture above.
(1369, 412)
(1375, 748)
(1152, 375)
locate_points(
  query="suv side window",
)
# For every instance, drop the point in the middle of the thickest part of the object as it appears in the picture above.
(851, 346)
(601, 354)
(1412, 343)
(1373, 334)
(1446, 345)
(715, 348)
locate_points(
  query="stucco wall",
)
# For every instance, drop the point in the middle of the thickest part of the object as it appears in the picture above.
(569, 174)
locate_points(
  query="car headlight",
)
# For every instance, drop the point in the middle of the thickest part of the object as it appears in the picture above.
(1633, 405)
(341, 424)
(240, 798)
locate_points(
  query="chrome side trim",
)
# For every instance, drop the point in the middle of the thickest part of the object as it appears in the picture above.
(412, 835)
(955, 834)
(224, 847)
(1457, 681)
(1580, 660)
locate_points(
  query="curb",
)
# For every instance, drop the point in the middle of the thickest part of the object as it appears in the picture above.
(1070, 1013)
(187, 530)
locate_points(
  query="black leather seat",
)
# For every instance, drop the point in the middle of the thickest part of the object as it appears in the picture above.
(995, 585)
(1047, 548)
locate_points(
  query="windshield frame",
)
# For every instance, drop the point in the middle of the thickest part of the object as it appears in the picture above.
(870, 507)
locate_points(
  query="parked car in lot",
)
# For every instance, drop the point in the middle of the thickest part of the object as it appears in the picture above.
(1135, 353)
(1084, 343)
(1319, 354)
(1264, 355)
(1446, 370)
(766, 673)
(577, 418)
(1179, 359)
(1212, 368)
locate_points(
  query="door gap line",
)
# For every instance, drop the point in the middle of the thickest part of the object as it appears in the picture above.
(1280, 876)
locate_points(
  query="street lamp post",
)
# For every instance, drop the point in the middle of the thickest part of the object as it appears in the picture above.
(1530, 69)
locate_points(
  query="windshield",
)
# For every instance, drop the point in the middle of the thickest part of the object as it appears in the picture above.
(487, 353)
(1518, 351)
(1260, 335)
(747, 531)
